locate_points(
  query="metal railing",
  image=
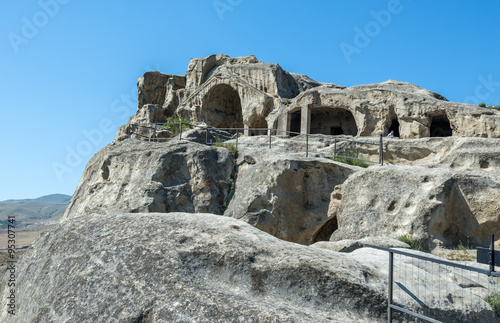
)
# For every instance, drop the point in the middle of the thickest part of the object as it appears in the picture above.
(417, 302)
(154, 132)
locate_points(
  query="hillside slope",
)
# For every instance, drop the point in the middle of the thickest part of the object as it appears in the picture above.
(44, 209)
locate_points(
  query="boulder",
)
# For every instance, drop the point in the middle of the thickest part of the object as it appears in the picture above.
(349, 245)
(442, 206)
(285, 195)
(181, 267)
(137, 176)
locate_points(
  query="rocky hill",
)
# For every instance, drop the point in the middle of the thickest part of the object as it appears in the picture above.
(243, 92)
(207, 228)
(45, 209)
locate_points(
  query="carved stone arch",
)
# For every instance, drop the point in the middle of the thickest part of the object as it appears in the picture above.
(258, 122)
(333, 121)
(221, 107)
(440, 126)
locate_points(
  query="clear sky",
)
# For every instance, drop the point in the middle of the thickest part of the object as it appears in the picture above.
(69, 68)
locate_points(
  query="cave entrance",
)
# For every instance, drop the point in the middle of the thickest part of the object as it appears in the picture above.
(295, 121)
(222, 108)
(394, 127)
(258, 123)
(333, 121)
(336, 131)
(440, 126)
(326, 230)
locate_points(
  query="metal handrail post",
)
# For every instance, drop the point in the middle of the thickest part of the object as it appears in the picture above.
(206, 135)
(154, 133)
(180, 131)
(335, 149)
(389, 291)
(270, 139)
(381, 150)
(492, 253)
(237, 135)
(307, 145)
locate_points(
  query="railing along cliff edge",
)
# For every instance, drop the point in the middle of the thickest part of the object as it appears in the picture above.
(141, 131)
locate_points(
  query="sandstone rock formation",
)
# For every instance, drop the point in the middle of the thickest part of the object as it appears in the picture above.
(284, 195)
(412, 112)
(181, 267)
(451, 206)
(276, 191)
(349, 245)
(135, 176)
(243, 92)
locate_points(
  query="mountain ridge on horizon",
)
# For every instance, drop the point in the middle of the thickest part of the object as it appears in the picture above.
(38, 211)
(50, 198)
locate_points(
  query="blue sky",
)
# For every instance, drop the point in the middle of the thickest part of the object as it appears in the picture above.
(69, 68)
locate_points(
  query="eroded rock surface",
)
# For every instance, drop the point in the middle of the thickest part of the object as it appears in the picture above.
(349, 245)
(181, 267)
(223, 91)
(187, 267)
(451, 206)
(136, 176)
(285, 195)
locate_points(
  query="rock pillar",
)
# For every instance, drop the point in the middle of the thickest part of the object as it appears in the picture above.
(305, 120)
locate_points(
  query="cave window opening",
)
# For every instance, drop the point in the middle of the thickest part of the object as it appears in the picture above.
(333, 121)
(440, 127)
(295, 122)
(394, 127)
(222, 108)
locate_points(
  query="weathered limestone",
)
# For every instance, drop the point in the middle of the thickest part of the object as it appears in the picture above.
(228, 92)
(411, 111)
(154, 86)
(135, 176)
(278, 192)
(349, 245)
(445, 206)
(180, 267)
(284, 195)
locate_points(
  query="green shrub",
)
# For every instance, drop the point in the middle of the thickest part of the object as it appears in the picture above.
(233, 149)
(286, 102)
(349, 158)
(414, 243)
(173, 124)
(494, 301)
(483, 105)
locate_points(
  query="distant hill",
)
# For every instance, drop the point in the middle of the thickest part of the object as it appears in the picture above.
(43, 210)
(53, 198)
